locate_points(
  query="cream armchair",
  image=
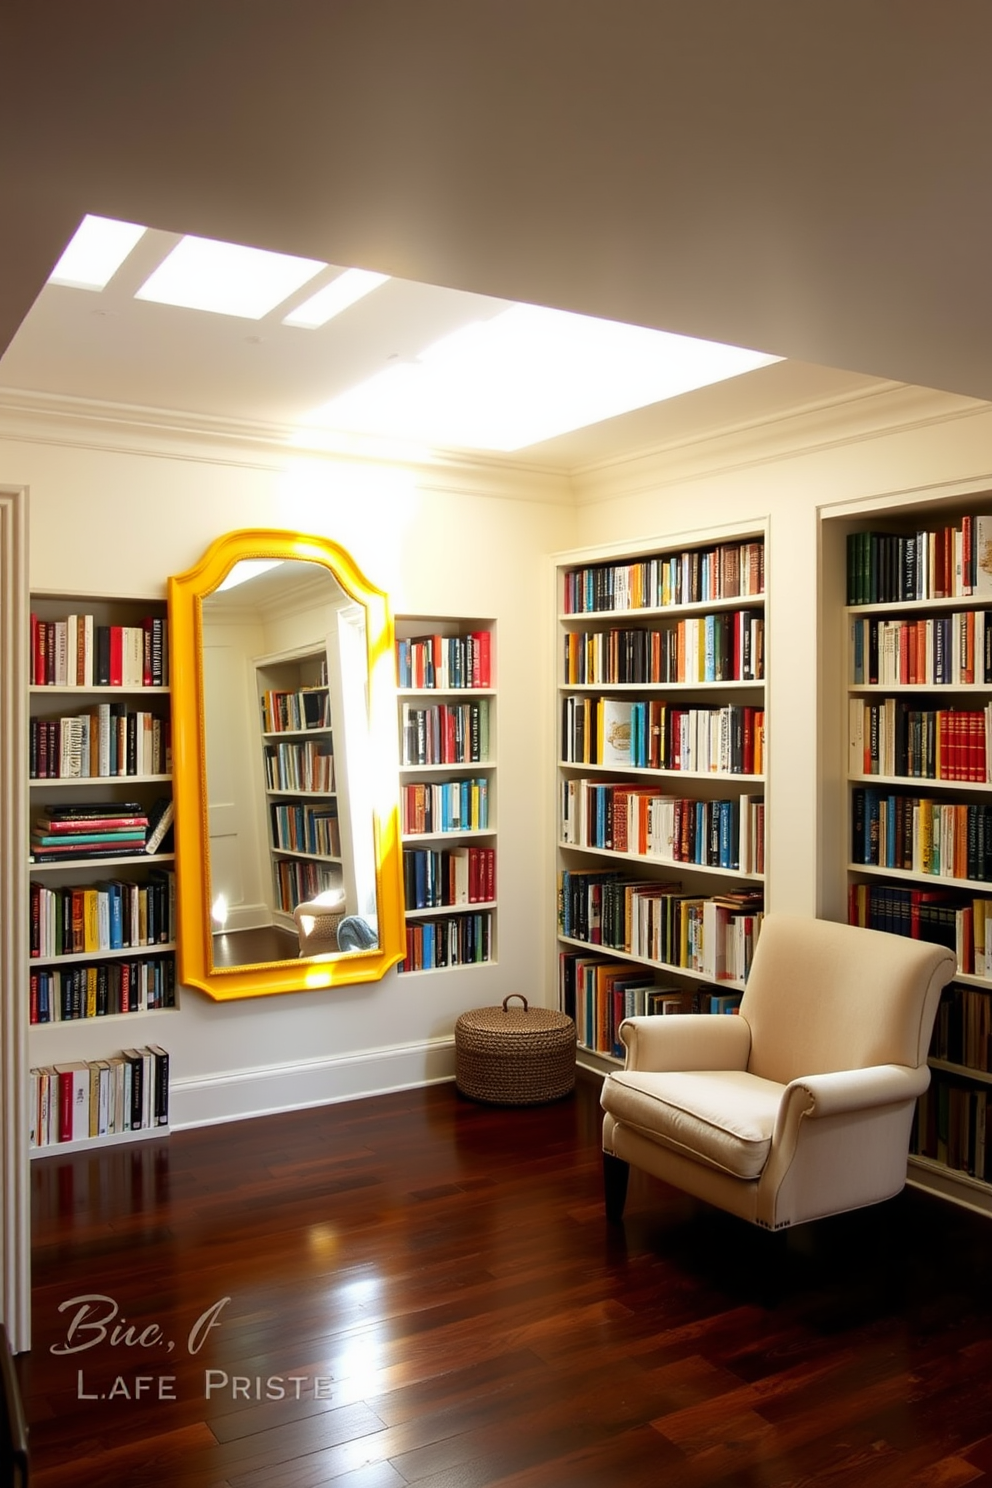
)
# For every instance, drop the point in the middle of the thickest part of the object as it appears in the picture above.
(799, 1106)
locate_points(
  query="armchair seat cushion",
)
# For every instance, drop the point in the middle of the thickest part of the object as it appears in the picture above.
(724, 1118)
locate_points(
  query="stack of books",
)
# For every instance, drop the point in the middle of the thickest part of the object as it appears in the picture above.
(89, 829)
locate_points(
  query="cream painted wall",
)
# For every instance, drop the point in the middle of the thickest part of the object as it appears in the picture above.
(116, 521)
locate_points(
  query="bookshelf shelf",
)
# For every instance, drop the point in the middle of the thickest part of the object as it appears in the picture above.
(918, 782)
(668, 967)
(68, 782)
(650, 860)
(931, 623)
(717, 688)
(662, 612)
(925, 880)
(616, 780)
(447, 700)
(118, 709)
(469, 835)
(81, 690)
(119, 953)
(314, 857)
(90, 865)
(450, 909)
(87, 1144)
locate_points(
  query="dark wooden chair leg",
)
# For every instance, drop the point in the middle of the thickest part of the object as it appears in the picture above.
(615, 1175)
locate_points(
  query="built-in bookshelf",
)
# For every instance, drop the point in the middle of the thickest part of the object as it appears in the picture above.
(84, 1103)
(662, 762)
(445, 675)
(304, 827)
(918, 852)
(101, 873)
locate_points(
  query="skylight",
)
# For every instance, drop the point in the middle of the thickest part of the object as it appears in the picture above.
(529, 374)
(98, 248)
(349, 287)
(226, 278)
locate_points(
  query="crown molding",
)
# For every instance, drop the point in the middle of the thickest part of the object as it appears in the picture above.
(121, 428)
(869, 413)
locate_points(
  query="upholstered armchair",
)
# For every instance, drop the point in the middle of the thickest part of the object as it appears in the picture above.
(801, 1104)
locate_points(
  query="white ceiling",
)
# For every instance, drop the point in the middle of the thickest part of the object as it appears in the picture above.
(113, 349)
(807, 180)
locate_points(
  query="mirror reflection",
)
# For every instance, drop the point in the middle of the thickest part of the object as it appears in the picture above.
(291, 870)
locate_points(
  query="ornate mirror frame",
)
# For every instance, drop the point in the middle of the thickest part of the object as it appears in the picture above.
(186, 594)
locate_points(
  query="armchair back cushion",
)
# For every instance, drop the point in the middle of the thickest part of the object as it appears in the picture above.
(823, 997)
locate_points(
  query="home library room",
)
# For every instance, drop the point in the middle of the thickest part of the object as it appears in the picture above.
(908, 778)
(447, 789)
(101, 890)
(660, 783)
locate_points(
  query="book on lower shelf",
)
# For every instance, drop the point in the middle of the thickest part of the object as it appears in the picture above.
(448, 941)
(87, 1100)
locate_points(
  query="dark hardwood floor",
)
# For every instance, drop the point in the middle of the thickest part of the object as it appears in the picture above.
(436, 1283)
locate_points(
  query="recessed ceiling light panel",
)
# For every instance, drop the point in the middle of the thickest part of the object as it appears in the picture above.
(226, 278)
(527, 375)
(349, 287)
(98, 248)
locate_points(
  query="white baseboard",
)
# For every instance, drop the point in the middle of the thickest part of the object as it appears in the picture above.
(264, 1090)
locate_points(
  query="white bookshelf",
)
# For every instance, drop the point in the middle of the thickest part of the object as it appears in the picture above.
(944, 1161)
(698, 656)
(447, 701)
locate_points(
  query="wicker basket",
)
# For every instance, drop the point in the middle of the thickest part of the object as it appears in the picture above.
(512, 1056)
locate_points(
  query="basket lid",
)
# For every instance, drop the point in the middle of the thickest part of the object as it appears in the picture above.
(511, 1020)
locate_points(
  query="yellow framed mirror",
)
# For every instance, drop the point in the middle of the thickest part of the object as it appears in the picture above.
(289, 860)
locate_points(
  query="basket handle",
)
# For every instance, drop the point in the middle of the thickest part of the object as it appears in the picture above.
(515, 994)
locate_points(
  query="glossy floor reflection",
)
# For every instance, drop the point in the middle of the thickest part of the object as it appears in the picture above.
(415, 1289)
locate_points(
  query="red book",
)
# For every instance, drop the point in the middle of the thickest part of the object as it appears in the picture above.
(490, 873)
(116, 655)
(747, 762)
(147, 677)
(37, 650)
(65, 1105)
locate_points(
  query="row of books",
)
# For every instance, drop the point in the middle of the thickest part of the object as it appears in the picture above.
(456, 875)
(962, 1031)
(110, 740)
(304, 766)
(444, 734)
(945, 917)
(447, 806)
(113, 915)
(639, 820)
(655, 735)
(76, 652)
(78, 830)
(306, 829)
(298, 879)
(600, 994)
(457, 940)
(295, 712)
(61, 994)
(952, 1126)
(725, 647)
(657, 921)
(891, 737)
(99, 1097)
(935, 563)
(445, 663)
(693, 576)
(896, 830)
(940, 651)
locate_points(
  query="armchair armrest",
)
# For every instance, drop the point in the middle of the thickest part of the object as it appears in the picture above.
(844, 1092)
(686, 1041)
